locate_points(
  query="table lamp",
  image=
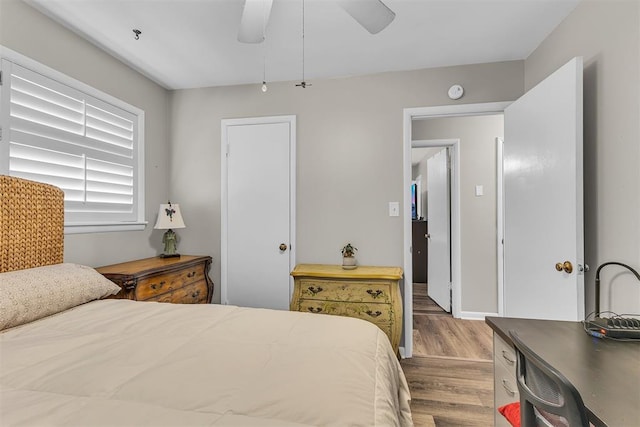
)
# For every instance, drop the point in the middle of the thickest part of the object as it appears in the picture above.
(169, 217)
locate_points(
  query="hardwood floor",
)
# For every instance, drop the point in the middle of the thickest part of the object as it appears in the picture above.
(451, 373)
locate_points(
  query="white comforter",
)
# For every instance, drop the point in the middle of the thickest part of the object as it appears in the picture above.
(119, 362)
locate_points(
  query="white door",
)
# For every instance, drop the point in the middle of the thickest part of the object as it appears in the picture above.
(257, 231)
(543, 208)
(438, 223)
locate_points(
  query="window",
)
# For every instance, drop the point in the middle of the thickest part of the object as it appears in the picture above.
(62, 132)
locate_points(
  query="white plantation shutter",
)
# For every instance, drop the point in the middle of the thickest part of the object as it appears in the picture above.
(63, 136)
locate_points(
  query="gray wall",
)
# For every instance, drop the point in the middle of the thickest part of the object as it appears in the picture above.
(607, 35)
(478, 213)
(349, 153)
(27, 31)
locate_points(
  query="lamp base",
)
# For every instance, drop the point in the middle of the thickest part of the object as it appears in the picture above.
(169, 255)
(170, 241)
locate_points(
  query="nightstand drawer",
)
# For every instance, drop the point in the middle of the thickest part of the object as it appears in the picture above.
(192, 294)
(376, 313)
(151, 287)
(354, 291)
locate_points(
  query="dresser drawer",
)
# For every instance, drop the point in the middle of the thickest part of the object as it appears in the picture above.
(153, 286)
(354, 291)
(195, 293)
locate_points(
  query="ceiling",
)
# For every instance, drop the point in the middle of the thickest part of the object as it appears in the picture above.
(193, 43)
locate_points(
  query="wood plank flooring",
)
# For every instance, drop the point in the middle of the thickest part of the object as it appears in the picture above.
(451, 373)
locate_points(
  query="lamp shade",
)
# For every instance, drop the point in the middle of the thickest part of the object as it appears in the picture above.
(169, 217)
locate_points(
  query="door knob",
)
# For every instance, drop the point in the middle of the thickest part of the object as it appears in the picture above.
(282, 247)
(566, 266)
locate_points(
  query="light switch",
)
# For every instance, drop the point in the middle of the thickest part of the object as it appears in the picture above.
(479, 190)
(394, 208)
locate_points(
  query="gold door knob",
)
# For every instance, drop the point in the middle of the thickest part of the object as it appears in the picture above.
(282, 247)
(566, 266)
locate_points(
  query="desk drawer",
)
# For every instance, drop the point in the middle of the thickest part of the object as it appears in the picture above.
(355, 291)
(154, 286)
(504, 378)
(503, 353)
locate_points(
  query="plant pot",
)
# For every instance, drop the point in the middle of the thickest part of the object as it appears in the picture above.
(349, 262)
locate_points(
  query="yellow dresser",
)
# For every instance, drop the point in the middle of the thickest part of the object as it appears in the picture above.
(369, 293)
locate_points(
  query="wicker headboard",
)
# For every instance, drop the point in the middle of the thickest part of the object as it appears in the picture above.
(31, 224)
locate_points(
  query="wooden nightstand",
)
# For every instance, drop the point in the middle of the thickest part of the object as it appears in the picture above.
(182, 280)
(369, 293)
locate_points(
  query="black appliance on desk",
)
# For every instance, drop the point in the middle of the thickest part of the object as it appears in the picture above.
(615, 326)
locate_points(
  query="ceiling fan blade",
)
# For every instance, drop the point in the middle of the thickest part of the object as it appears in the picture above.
(373, 15)
(253, 23)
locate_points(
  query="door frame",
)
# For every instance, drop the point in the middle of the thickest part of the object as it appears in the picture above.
(500, 221)
(224, 125)
(434, 112)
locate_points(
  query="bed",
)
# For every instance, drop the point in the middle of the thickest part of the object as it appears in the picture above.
(70, 357)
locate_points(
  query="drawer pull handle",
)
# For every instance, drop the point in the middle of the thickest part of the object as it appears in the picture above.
(505, 384)
(191, 274)
(506, 357)
(374, 294)
(195, 294)
(158, 286)
(373, 313)
(315, 290)
(315, 309)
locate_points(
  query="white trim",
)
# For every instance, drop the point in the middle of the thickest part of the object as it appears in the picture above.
(224, 125)
(408, 115)
(500, 221)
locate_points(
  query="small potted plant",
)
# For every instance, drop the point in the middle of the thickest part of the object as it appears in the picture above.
(348, 256)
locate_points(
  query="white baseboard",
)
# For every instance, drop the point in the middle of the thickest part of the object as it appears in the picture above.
(476, 315)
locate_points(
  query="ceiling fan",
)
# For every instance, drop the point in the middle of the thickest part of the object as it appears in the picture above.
(373, 15)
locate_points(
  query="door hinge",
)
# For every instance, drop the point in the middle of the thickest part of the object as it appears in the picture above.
(0, 77)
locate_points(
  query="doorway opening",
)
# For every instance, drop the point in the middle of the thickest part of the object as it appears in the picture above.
(429, 117)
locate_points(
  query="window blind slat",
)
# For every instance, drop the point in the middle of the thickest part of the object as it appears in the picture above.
(31, 83)
(41, 136)
(73, 188)
(45, 168)
(88, 209)
(121, 118)
(110, 178)
(110, 129)
(20, 151)
(28, 101)
(46, 119)
(109, 138)
(106, 187)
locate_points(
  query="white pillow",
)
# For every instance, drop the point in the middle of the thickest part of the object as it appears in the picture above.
(33, 293)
